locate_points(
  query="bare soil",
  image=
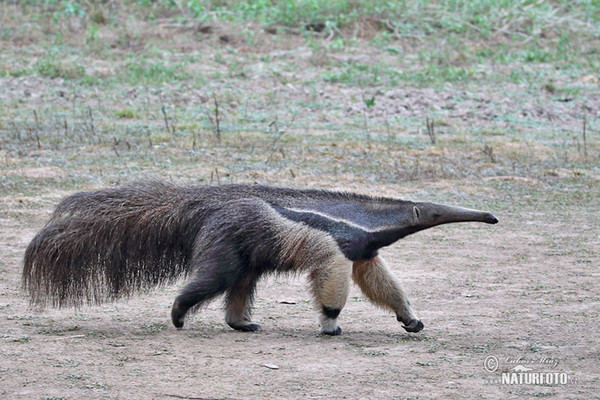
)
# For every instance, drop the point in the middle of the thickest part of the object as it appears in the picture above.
(523, 291)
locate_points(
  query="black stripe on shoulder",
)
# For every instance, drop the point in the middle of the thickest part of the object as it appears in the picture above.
(352, 240)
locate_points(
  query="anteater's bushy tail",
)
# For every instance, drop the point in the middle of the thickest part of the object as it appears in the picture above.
(111, 243)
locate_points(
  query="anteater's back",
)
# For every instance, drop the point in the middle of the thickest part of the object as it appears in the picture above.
(106, 244)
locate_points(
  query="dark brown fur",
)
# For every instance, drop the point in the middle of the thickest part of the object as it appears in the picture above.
(107, 244)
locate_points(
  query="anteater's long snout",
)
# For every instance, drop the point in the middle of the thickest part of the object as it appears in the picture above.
(429, 214)
(490, 219)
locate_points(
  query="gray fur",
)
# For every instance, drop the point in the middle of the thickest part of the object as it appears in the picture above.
(107, 244)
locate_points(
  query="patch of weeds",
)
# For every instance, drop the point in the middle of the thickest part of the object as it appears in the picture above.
(236, 70)
(362, 75)
(153, 328)
(82, 317)
(6, 34)
(66, 363)
(20, 318)
(138, 72)
(481, 349)
(71, 8)
(127, 113)
(99, 334)
(355, 344)
(337, 45)
(45, 331)
(375, 353)
(382, 39)
(536, 55)
(492, 132)
(22, 339)
(92, 34)
(97, 385)
(78, 376)
(393, 50)
(14, 72)
(49, 67)
(403, 337)
(138, 372)
(534, 348)
(425, 364)
(432, 349)
(203, 335)
(542, 394)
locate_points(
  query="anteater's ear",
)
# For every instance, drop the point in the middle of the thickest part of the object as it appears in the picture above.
(416, 212)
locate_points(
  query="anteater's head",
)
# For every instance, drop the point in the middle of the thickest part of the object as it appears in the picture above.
(426, 215)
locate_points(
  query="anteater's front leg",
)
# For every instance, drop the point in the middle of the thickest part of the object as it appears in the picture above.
(330, 283)
(379, 284)
(238, 305)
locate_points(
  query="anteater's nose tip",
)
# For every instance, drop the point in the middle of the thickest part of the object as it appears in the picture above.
(491, 219)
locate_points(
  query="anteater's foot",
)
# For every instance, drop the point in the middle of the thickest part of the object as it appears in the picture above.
(177, 320)
(414, 325)
(335, 332)
(178, 314)
(251, 327)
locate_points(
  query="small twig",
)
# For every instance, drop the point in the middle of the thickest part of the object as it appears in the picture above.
(148, 136)
(91, 116)
(430, 123)
(194, 141)
(166, 118)
(66, 126)
(273, 126)
(365, 114)
(489, 151)
(388, 128)
(584, 138)
(417, 170)
(115, 144)
(215, 173)
(37, 130)
(15, 130)
(217, 118)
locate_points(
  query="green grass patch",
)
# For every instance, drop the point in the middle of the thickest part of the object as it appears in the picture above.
(52, 68)
(153, 72)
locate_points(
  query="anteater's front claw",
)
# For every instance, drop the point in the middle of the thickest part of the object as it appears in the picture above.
(414, 325)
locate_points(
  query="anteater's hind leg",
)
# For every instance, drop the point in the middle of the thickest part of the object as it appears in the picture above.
(330, 284)
(379, 284)
(238, 305)
(214, 275)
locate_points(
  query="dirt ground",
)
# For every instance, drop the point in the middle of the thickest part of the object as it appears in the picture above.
(516, 300)
(523, 291)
